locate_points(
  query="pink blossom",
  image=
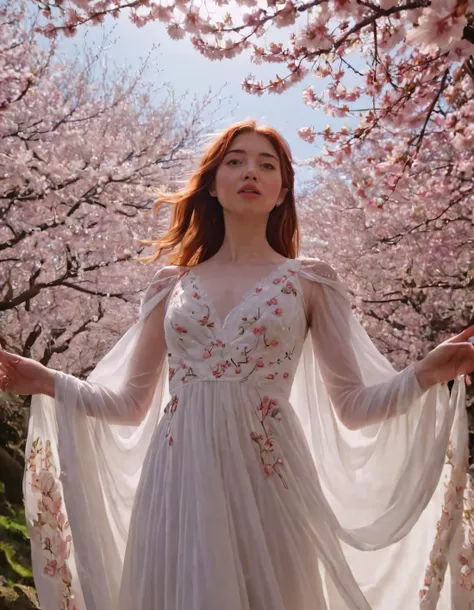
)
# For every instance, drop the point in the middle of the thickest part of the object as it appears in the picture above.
(50, 568)
(65, 573)
(46, 482)
(259, 331)
(286, 15)
(278, 311)
(175, 31)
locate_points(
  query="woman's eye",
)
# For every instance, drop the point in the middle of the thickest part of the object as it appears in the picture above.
(268, 166)
(233, 162)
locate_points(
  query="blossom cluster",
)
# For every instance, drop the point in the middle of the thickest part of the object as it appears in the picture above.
(83, 152)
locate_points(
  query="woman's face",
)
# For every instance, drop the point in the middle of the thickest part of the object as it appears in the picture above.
(248, 180)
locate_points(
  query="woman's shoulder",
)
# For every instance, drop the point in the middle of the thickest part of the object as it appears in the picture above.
(169, 272)
(164, 279)
(316, 267)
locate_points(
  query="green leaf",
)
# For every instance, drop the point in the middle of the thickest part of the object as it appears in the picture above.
(10, 553)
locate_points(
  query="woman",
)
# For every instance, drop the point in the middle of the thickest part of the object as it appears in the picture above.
(290, 467)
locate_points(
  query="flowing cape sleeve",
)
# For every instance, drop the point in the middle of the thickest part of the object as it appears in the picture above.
(84, 454)
(379, 443)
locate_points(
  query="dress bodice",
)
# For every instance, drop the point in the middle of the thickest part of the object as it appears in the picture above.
(260, 341)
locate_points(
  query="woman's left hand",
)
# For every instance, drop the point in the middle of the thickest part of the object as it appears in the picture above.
(448, 360)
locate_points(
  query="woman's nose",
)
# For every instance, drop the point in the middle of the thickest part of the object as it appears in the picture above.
(250, 173)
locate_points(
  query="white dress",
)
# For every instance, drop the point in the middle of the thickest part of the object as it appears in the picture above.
(281, 468)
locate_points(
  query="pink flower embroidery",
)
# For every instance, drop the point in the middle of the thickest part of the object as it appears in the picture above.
(258, 289)
(270, 462)
(289, 288)
(196, 295)
(238, 370)
(206, 354)
(260, 364)
(278, 311)
(276, 280)
(51, 567)
(259, 331)
(452, 506)
(285, 375)
(181, 329)
(272, 301)
(51, 520)
(274, 343)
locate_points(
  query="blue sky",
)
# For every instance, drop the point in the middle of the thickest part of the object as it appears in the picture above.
(180, 65)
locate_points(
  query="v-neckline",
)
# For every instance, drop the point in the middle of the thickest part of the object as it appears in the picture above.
(253, 288)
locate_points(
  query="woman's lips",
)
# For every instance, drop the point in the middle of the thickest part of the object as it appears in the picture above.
(249, 195)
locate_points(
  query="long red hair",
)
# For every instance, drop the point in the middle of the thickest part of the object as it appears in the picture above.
(197, 226)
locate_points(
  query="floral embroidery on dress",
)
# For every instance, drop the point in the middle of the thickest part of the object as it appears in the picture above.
(289, 288)
(466, 557)
(438, 559)
(255, 344)
(170, 410)
(271, 462)
(206, 319)
(51, 530)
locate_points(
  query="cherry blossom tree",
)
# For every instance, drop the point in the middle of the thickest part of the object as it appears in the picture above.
(409, 265)
(83, 150)
(415, 53)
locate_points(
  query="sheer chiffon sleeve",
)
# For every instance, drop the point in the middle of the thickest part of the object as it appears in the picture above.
(84, 453)
(357, 405)
(378, 439)
(126, 398)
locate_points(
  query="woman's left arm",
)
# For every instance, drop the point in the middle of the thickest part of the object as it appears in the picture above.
(357, 404)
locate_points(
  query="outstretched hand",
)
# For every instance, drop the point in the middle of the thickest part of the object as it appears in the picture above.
(20, 375)
(449, 360)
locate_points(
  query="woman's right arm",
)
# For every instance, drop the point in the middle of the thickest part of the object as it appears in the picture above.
(127, 405)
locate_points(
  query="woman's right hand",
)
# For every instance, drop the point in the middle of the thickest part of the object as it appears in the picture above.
(20, 375)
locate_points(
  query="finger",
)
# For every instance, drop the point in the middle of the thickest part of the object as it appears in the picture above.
(8, 357)
(465, 334)
(8, 360)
